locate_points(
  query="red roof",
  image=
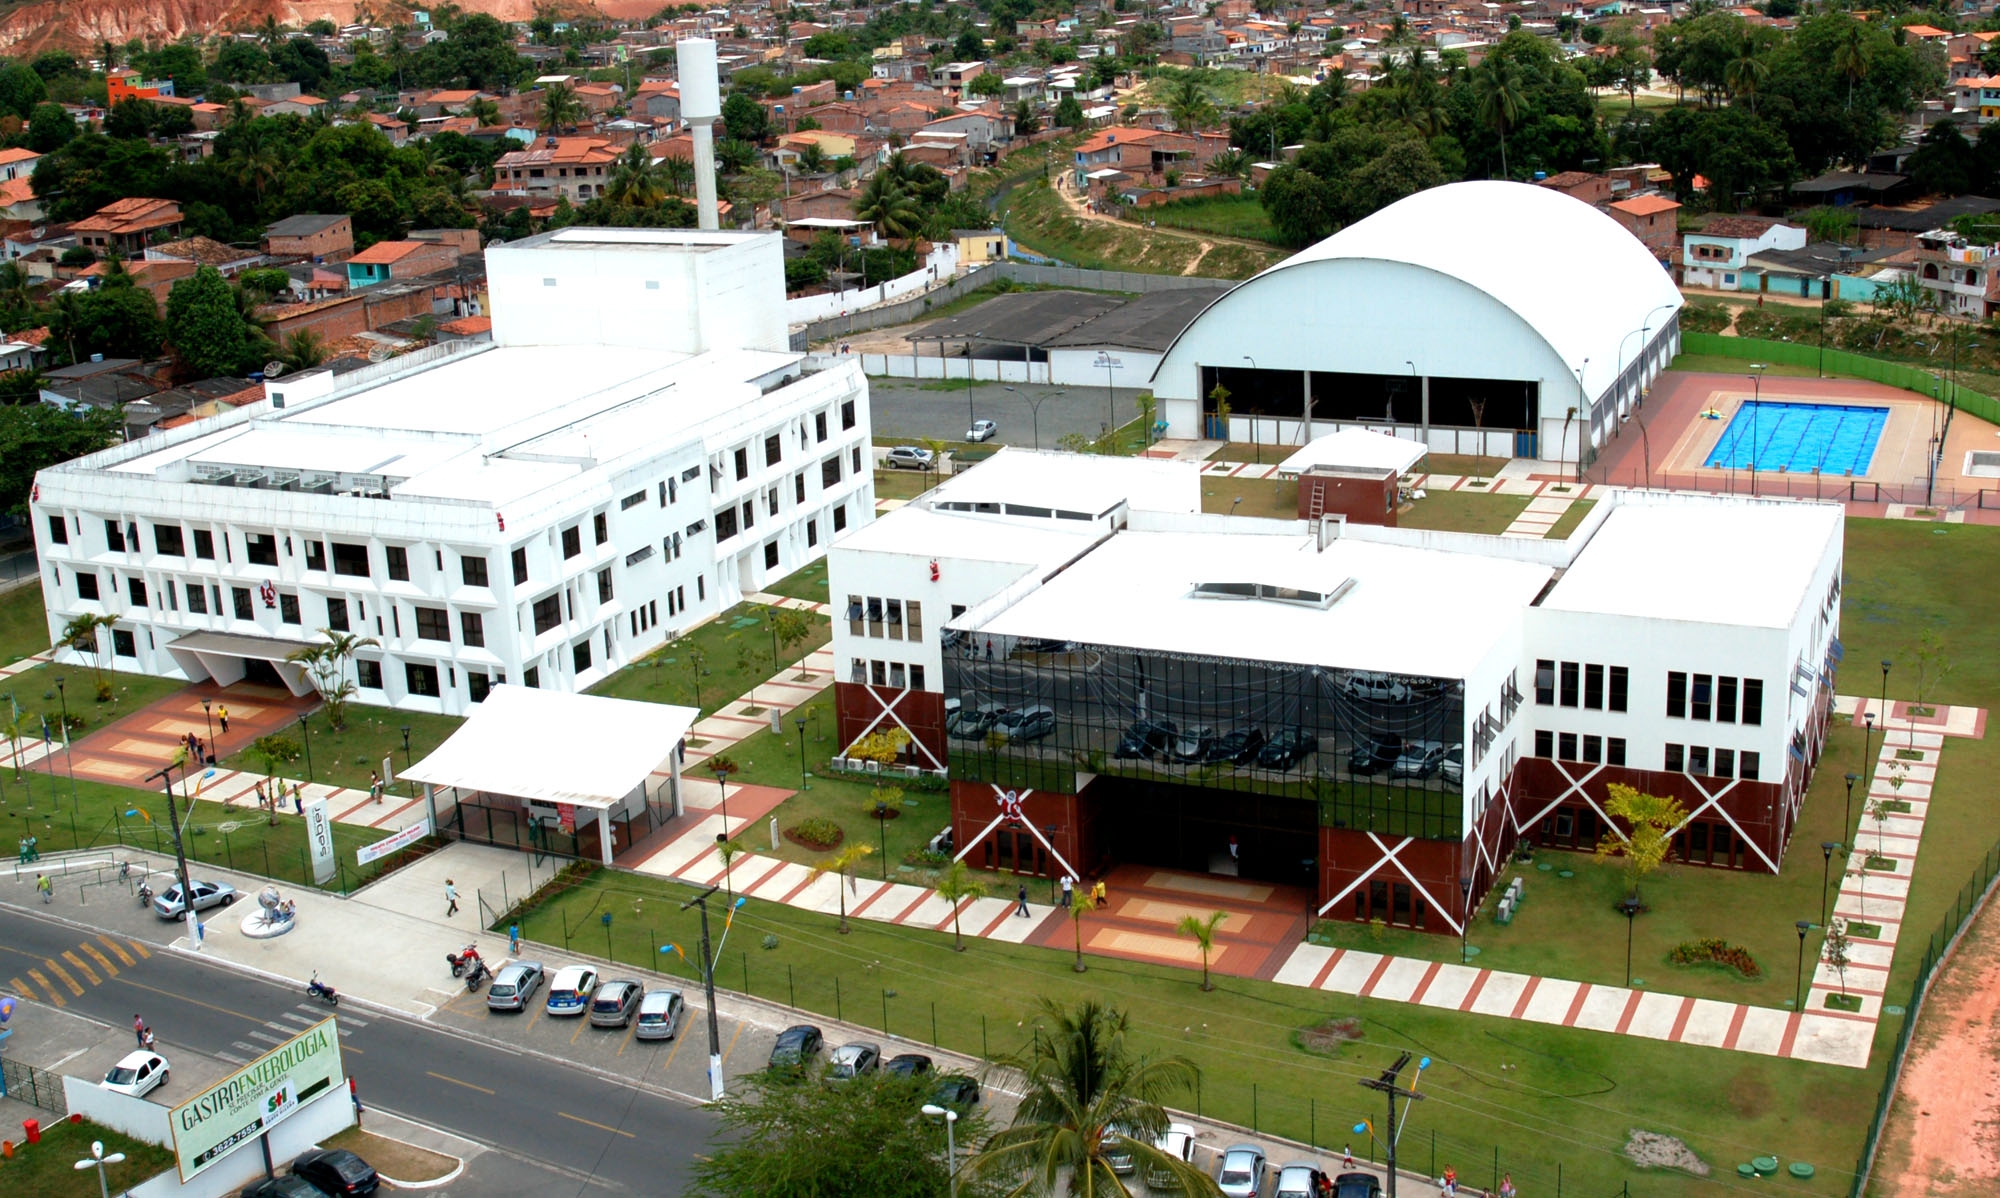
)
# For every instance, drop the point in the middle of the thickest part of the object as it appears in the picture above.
(384, 252)
(1645, 205)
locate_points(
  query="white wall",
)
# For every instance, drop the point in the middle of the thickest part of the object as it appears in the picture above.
(941, 264)
(1079, 368)
(920, 366)
(907, 576)
(135, 1117)
(325, 1116)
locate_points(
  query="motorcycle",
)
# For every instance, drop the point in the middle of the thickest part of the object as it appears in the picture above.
(462, 960)
(321, 991)
(476, 975)
(145, 895)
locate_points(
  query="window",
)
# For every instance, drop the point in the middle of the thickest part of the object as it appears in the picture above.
(1675, 764)
(812, 533)
(1566, 746)
(1677, 690)
(1746, 765)
(855, 456)
(743, 463)
(572, 541)
(351, 560)
(829, 473)
(1569, 684)
(420, 679)
(1725, 699)
(771, 501)
(197, 599)
(839, 516)
(477, 685)
(315, 555)
(288, 607)
(1697, 759)
(725, 524)
(136, 589)
(395, 619)
(749, 514)
(819, 426)
(579, 654)
(473, 570)
(58, 531)
(241, 598)
(114, 536)
(1545, 744)
(336, 615)
(1614, 750)
(122, 643)
(600, 528)
(798, 488)
(1593, 688)
(1593, 749)
(878, 673)
(86, 586)
(204, 544)
(433, 624)
(773, 450)
(633, 500)
(916, 678)
(1725, 763)
(1545, 683)
(913, 613)
(847, 414)
(1620, 680)
(399, 562)
(167, 540)
(259, 548)
(532, 676)
(1701, 696)
(700, 590)
(548, 613)
(604, 585)
(520, 559)
(1753, 702)
(771, 555)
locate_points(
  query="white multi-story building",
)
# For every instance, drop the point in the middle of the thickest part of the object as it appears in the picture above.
(636, 449)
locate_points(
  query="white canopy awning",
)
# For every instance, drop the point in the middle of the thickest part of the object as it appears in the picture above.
(1356, 448)
(555, 747)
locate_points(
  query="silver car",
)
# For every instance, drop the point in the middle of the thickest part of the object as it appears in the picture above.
(660, 1015)
(167, 904)
(514, 985)
(614, 1003)
(1242, 1172)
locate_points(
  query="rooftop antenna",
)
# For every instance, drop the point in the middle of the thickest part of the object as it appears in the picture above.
(701, 104)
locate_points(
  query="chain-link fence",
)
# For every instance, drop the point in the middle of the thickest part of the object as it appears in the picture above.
(36, 1087)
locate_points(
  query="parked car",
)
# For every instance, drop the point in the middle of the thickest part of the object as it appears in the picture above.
(1287, 748)
(909, 1064)
(1193, 744)
(796, 1046)
(1242, 1173)
(1419, 759)
(1028, 723)
(907, 457)
(613, 1003)
(1302, 1180)
(136, 1074)
(336, 1170)
(1375, 754)
(1146, 739)
(1116, 1154)
(1177, 1142)
(285, 1186)
(957, 1091)
(981, 430)
(1042, 644)
(1380, 688)
(514, 985)
(167, 904)
(1238, 746)
(974, 725)
(569, 990)
(850, 1061)
(660, 1015)
(1357, 1185)
(1452, 768)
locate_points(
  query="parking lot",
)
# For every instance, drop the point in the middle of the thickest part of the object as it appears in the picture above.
(918, 409)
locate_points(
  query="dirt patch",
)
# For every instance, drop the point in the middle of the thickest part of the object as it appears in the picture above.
(1749, 1094)
(1326, 1038)
(1651, 1150)
(393, 1159)
(1943, 1133)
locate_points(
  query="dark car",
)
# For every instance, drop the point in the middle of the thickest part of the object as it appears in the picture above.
(335, 1170)
(1238, 746)
(1029, 723)
(1356, 1185)
(909, 1064)
(1375, 754)
(974, 725)
(796, 1046)
(282, 1187)
(957, 1091)
(1287, 748)
(1146, 738)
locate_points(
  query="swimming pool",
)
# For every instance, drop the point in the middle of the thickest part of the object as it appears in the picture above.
(1799, 438)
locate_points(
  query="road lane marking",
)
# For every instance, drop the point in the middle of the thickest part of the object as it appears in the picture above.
(297, 1018)
(266, 1037)
(232, 1058)
(680, 1034)
(275, 1026)
(732, 1041)
(103, 962)
(74, 989)
(581, 1022)
(47, 989)
(89, 974)
(124, 958)
(21, 988)
(139, 948)
(599, 1126)
(252, 1048)
(454, 1081)
(184, 998)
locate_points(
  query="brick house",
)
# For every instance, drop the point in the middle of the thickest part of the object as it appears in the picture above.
(127, 225)
(1581, 185)
(386, 260)
(574, 167)
(1653, 219)
(327, 238)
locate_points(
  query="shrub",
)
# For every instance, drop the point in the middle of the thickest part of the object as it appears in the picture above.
(818, 832)
(1711, 949)
(884, 746)
(1705, 317)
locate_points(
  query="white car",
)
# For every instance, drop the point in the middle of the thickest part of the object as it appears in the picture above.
(981, 430)
(1177, 1142)
(1380, 687)
(137, 1074)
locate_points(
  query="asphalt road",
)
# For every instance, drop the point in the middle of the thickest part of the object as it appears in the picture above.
(572, 1130)
(904, 408)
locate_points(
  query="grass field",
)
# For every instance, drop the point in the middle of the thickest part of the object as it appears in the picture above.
(1464, 511)
(807, 582)
(1037, 218)
(35, 691)
(903, 484)
(48, 1169)
(1461, 464)
(1266, 497)
(1717, 364)
(24, 629)
(1228, 216)
(736, 655)
(1566, 523)
(347, 757)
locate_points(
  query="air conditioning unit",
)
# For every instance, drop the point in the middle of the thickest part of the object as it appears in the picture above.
(874, 767)
(839, 765)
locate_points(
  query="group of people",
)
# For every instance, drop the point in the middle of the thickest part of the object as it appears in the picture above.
(275, 799)
(199, 751)
(1096, 896)
(142, 1033)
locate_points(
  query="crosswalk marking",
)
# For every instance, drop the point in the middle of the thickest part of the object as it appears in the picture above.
(232, 1058)
(60, 972)
(103, 962)
(88, 973)
(139, 948)
(246, 1047)
(47, 989)
(266, 1037)
(21, 988)
(295, 1017)
(124, 958)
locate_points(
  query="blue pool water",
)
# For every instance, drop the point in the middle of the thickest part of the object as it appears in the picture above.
(1798, 438)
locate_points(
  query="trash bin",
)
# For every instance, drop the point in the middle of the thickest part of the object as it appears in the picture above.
(34, 1129)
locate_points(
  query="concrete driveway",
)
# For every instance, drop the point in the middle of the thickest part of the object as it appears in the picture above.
(916, 409)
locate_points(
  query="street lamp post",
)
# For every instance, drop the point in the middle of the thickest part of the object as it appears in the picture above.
(882, 835)
(1799, 976)
(1035, 410)
(934, 1111)
(1465, 915)
(1630, 909)
(1756, 402)
(1254, 439)
(1826, 848)
(211, 729)
(722, 781)
(1847, 809)
(708, 988)
(1885, 699)
(97, 1160)
(166, 776)
(803, 783)
(305, 730)
(406, 760)
(69, 759)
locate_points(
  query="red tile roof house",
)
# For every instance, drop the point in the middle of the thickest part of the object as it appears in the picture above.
(127, 225)
(1653, 219)
(1581, 185)
(1145, 154)
(387, 260)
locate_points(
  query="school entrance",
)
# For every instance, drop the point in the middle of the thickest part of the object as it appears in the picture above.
(1191, 828)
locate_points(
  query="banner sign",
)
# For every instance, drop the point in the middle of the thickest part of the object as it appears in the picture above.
(319, 838)
(382, 848)
(249, 1102)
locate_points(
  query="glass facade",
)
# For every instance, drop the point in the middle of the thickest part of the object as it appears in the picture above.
(1373, 752)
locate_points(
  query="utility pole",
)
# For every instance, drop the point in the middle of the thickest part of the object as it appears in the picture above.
(165, 775)
(1390, 1084)
(708, 989)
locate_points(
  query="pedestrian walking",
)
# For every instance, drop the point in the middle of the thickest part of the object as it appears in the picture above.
(1066, 892)
(1098, 895)
(451, 898)
(222, 716)
(1021, 901)
(48, 888)
(375, 786)
(139, 1030)
(298, 798)
(263, 800)
(1346, 1156)
(1450, 1182)
(1507, 1185)
(513, 940)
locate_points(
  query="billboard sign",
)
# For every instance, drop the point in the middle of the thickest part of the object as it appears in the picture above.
(254, 1099)
(319, 838)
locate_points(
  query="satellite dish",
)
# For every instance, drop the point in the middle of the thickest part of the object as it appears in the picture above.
(273, 369)
(378, 354)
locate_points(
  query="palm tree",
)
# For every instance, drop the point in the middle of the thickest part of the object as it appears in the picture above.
(304, 350)
(735, 155)
(326, 666)
(1188, 104)
(80, 636)
(634, 182)
(1850, 56)
(1496, 84)
(257, 167)
(884, 204)
(1076, 926)
(1747, 72)
(1233, 163)
(955, 885)
(812, 159)
(1086, 1096)
(842, 865)
(484, 111)
(560, 108)
(677, 174)
(1203, 931)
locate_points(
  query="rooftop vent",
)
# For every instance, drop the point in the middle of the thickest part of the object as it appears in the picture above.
(1269, 592)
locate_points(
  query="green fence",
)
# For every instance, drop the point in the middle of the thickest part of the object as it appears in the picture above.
(1967, 903)
(1852, 365)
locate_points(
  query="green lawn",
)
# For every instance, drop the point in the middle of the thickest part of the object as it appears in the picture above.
(1463, 511)
(1566, 523)
(1466, 465)
(1229, 216)
(35, 691)
(1266, 497)
(24, 629)
(903, 484)
(735, 652)
(1039, 219)
(807, 582)
(48, 1169)
(347, 757)
(1717, 364)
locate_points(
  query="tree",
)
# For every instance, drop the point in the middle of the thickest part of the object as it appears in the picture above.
(37, 435)
(1851, 56)
(1187, 103)
(303, 350)
(955, 886)
(1086, 1095)
(987, 85)
(1836, 950)
(785, 1133)
(735, 155)
(1202, 928)
(484, 111)
(1069, 113)
(326, 668)
(560, 108)
(21, 89)
(1747, 70)
(1934, 664)
(206, 329)
(812, 159)
(275, 750)
(634, 182)
(1944, 162)
(50, 128)
(884, 204)
(1025, 120)
(1299, 203)
(969, 47)
(1652, 819)
(788, 629)
(79, 636)
(1497, 83)
(841, 865)
(744, 118)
